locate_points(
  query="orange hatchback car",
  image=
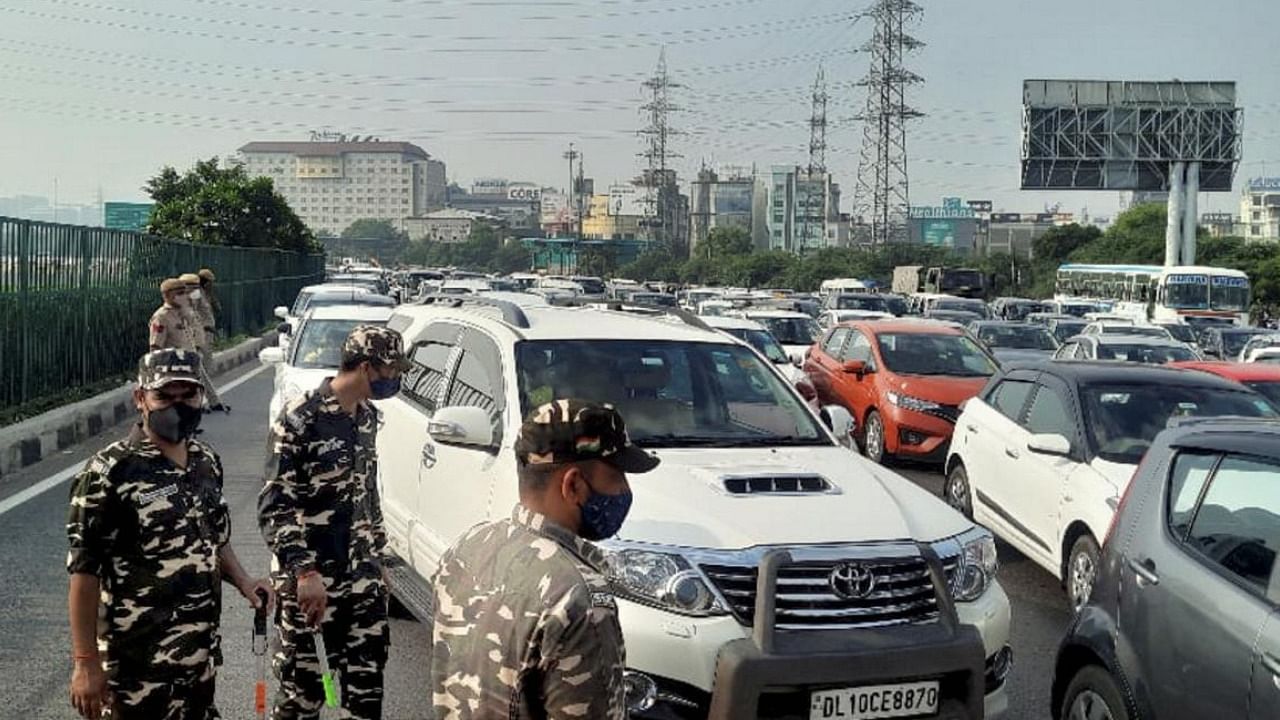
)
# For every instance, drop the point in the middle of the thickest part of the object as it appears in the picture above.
(903, 381)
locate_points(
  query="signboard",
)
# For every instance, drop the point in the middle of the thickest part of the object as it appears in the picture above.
(1187, 280)
(126, 216)
(524, 193)
(940, 233)
(1265, 184)
(489, 186)
(1006, 217)
(1125, 135)
(1234, 282)
(628, 200)
(1218, 219)
(951, 209)
(980, 206)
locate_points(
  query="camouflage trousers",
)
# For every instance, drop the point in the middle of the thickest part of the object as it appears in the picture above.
(184, 698)
(206, 361)
(355, 636)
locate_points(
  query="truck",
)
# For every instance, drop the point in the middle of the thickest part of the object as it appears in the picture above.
(960, 282)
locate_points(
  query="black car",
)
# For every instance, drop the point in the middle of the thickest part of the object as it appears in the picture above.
(1225, 343)
(1184, 619)
(1009, 340)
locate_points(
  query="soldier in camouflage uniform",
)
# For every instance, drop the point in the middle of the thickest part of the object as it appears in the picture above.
(148, 532)
(321, 517)
(202, 337)
(525, 621)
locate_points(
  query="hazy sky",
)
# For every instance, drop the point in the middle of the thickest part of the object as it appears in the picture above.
(101, 93)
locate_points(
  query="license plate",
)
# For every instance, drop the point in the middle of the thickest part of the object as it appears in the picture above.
(875, 701)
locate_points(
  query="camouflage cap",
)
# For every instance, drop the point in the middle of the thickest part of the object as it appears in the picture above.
(377, 343)
(161, 367)
(190, 278)
(172, 284)
(564, 431)
(206, 274)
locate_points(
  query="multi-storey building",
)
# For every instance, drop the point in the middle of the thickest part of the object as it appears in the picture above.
(720, 199)
(332, 184)
(800, 208)
(1260, 210)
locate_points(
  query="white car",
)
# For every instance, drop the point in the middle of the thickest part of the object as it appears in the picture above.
(828, 319)
(290, 315)
(1112, 326)
(317, 351)
(795, 331)
(747, 472)
(1044, 453)
(758, 337)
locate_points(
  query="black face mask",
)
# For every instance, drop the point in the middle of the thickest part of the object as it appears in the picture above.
(175, 423)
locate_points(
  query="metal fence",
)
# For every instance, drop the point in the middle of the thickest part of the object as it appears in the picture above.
(75, 301)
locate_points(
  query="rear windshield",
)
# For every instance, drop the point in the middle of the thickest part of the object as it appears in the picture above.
(1148, 354)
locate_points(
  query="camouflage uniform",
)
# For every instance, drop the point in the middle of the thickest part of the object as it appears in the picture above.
(319, 509)
(526, 625)
(151, 532)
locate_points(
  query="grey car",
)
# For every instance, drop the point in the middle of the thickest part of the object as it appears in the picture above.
(1125, 348)
(1184, 619)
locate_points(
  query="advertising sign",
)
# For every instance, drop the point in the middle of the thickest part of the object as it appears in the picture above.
(980, 206)
(489, 186)
(1006, 217)
(126, 216)
(524, 193)
(952, 209)
(628, 200)
(940, 233)
(1265, 184)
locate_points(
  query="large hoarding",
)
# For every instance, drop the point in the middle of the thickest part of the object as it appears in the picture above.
(629, 200)
(1120, 135)
(126, 215)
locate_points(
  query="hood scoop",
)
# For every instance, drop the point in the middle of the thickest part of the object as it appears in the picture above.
(777, 484)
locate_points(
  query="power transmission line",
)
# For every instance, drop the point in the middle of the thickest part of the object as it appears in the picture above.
(662, 192)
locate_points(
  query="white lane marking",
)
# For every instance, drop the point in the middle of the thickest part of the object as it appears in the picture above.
(61, 477)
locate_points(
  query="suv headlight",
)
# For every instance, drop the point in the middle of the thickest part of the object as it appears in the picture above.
(906, 402)
(976, 565)
(664, 580)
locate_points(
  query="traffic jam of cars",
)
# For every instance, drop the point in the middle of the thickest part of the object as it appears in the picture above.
(1123, 436)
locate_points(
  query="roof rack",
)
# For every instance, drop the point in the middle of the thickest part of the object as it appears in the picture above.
(683, 316)
(512, 314)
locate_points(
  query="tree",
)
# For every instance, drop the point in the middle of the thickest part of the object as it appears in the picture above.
(726, 242)
(657, 264)
(215, 205)
(1057, 244)
(1136, 237)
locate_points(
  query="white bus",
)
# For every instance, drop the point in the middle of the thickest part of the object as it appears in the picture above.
(1182, 293)
(842, 285)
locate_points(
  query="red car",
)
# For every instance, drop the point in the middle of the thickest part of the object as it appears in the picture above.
(1262, 378)
(902, 380)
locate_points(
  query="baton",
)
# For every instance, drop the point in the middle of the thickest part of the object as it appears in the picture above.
(260, 650)
(326, 675)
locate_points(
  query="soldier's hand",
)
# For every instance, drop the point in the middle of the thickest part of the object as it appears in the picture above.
(251, 589)
(312, 598)
(89, 693)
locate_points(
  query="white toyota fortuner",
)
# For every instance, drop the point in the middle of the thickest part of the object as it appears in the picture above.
(754, 491)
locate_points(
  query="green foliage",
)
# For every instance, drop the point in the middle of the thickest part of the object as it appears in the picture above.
(726, 242)
(213, 205)
(484, 251)
(373, 229)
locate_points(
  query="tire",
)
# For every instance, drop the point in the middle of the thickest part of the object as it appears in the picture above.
(873, 439)
(956, 491)
(1081, 571)
(1094, 695)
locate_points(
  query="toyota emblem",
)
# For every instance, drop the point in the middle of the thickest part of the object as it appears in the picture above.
(852, 581)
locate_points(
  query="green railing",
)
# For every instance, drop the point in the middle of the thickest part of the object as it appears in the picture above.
(75, 301)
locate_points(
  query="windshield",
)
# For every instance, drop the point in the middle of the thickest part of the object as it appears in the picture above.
(300, 304)
(1123, 419)
(1181, 333)
(1076, 309)
(1234, 342)
(930, 354)
(653, 299)
(1147, 354)
(1139, 330)
(791, 331)
(671, 394)
(762, 341)
(960, 279)
(358, 299)
(319, 343)
(1064, 330)
(1187, 292)
(590, 286)
(1021, 337)
(977, 307)
(1230, 293)
(896, 305)
(861, 302)
(1267, 388)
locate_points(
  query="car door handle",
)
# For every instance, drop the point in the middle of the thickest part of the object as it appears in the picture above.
(1272, 663)
(971, 428)
(1145, 570)
(1011, 452)
(428, 455)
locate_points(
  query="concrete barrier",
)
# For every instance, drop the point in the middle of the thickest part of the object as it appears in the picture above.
(43, 436)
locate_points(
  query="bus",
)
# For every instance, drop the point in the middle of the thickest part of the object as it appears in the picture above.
(834, 286)
(1182, 293)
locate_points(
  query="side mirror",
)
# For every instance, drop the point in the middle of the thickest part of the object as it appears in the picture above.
(839, 422)
(281, 312)
(856, 367)
(284, 328)
(271, 355)
(461, 425)
(797, 359)
(1049, 444)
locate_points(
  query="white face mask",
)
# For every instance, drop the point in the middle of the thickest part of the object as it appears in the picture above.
(194, 294)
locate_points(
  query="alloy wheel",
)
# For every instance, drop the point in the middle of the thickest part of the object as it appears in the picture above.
(1089, 705)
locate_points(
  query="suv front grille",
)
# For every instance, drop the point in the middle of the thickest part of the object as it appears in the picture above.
(903, 594)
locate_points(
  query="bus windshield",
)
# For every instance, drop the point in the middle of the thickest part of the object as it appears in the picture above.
(1230, 293)
(1187, 292)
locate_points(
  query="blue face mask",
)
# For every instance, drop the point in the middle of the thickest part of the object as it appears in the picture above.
(603, 515)
(383, 388)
